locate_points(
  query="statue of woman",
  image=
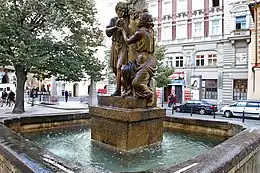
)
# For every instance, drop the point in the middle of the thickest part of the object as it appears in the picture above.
(119, 53)
(145, 63)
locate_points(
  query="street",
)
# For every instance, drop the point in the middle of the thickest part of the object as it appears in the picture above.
(249, 122)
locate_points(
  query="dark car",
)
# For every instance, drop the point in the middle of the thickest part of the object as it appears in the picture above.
(201, 107)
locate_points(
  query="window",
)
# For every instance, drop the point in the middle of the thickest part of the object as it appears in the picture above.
(182, 6)
(167, 8)
(215, 3)
(181, 31)
(210, 89)
(153, 10)
(212, 60)
(167, 33)
(239, 89)
(241, 22)
(252, 104)
(198, 29)
(197, 4)
(215, 27)
(241, 104)
(169, 62)
(179, 61)
(200, 60)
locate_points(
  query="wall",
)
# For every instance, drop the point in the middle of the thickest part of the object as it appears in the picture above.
(253, 79)
(249, 164)
(6, 166)
(239, 154)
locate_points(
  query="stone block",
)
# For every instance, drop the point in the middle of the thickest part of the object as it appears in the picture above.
(127, 115)
(120, 102)
(126, 129)
(126, 136)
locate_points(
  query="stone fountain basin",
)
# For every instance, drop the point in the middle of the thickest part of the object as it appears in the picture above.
(239, 153)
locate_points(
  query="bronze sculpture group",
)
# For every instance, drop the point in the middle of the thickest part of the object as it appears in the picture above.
(132, 52)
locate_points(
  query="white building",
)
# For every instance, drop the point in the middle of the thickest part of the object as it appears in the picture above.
(7, 75)
(207, 38)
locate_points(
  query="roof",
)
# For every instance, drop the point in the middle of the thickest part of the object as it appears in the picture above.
(252, 5)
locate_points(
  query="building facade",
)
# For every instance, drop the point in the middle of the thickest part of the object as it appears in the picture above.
(7, 75)
(207, 39)
(254, 53)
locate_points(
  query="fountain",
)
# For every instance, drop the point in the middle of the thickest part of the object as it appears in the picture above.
(137, 135)
(123, 121)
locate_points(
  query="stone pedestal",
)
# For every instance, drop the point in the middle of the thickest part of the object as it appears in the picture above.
(126, 123)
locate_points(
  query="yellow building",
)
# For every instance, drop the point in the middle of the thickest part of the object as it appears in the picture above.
(254, 53)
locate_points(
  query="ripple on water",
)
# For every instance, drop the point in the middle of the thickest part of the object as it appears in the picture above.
(75, 145)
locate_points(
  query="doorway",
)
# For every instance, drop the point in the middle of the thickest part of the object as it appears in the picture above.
(63, 89)
(76, 90)
(167, 92)
(178, 93)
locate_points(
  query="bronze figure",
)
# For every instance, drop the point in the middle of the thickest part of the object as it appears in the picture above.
(132, 52)
(119, 53)
(144, 66)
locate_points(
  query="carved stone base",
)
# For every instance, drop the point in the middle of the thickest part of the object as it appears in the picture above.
(126, 128)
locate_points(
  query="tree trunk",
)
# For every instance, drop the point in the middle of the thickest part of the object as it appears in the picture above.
(21, 76)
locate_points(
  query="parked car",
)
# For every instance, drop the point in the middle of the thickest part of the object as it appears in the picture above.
(251, 108)
(201, 107)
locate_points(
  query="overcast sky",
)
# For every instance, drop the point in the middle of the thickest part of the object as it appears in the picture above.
(106, 11)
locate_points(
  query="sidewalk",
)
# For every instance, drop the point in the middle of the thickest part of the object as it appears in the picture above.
(6, 112)
(71, 105)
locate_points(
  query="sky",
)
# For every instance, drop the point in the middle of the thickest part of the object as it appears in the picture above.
(105, 11)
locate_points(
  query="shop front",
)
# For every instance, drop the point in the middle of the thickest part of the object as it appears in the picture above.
(177, 87)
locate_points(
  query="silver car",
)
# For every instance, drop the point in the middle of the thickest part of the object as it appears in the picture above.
(251, 108)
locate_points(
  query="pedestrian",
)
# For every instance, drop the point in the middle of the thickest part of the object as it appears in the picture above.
(11, 98)
(170, 100)
(66, 95)
(174, 100)
(4, 96)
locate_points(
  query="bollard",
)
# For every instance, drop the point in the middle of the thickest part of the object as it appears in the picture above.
(214, 113)
(243, 116)
(191, 110)
(32, 102)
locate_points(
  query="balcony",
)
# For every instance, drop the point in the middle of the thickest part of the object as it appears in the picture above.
(240, 34)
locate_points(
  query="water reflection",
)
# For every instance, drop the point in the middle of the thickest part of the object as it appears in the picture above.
(75, 145)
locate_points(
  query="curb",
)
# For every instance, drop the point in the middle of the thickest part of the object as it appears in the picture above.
(53, 107)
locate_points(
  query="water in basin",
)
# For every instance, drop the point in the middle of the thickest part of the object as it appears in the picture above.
(75, 145)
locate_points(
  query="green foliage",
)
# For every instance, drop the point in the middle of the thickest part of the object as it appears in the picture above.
(163, 73)
(50, 37)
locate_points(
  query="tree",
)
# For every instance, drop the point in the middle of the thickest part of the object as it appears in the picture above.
(49, 37)
(163, 73)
